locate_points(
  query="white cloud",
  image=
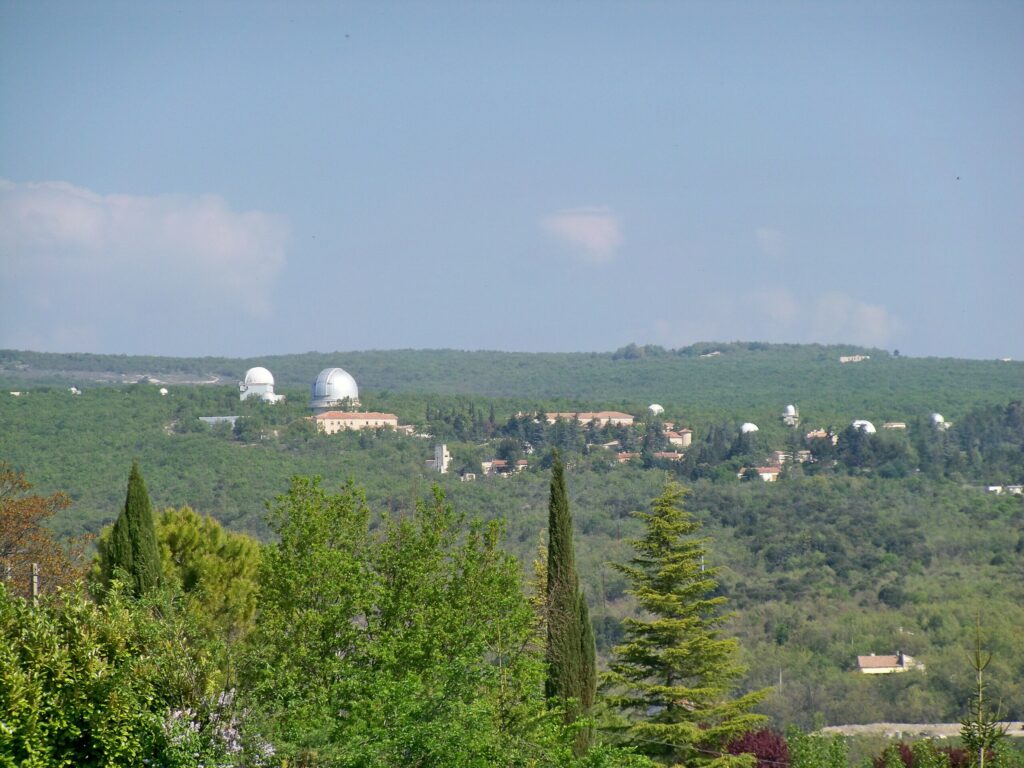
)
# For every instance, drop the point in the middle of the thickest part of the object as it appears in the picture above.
(777, 314)
(70, 257)
(778, 305)
(771, 241)
(57, 226)
(594, 231)
(840, 317)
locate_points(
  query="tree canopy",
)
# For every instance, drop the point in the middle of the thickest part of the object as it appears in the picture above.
(676, 674)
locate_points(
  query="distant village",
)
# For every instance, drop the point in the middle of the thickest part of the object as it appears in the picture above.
(335, 405)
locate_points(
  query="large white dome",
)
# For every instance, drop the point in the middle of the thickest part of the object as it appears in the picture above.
(331, 387)
(259, 375)
(864, 426)
(748, 427)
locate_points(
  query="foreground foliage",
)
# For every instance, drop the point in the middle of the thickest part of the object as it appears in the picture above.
(571, 679)
(87, 685)
(675, 674)
(132, 548)
(408, 645)
(26, 542)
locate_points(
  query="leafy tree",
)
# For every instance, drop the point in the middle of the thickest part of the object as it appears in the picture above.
(768, 746)
(216, 570)
(571, 676)
(128, 682)
(808, 750)
(676, 673)
(132, 546)
(25, 540)
(408, 645)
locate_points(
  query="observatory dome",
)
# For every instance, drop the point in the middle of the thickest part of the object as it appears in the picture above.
(655, 409)
(259, 375)
(747, 427)
(864, 426)
(331, 387)
(937, 418)
(789, 410)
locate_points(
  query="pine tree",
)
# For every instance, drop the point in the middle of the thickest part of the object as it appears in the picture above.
(980, 731)
(571, 677)
(675, 674)
(132, 546)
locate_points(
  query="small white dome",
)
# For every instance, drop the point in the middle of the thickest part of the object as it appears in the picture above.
(259, 375)
(864, 426)
(656, 409)
(789, 410)
(163, 391)
(331, 387)
(747, 427)
(937, 418)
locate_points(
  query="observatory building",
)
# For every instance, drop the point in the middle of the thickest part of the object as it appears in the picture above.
(790, 416)
(334, 388)
(259, 382)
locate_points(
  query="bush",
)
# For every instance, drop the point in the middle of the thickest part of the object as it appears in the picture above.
(768, 746)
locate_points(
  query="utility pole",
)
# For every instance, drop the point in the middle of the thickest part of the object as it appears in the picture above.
(35, 583)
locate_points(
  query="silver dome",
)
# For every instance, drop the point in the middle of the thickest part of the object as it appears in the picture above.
(331, 387)
(259, 375)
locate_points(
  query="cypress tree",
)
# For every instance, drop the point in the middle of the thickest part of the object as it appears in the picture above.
(571, 673)
(132, 546)
(676, 673)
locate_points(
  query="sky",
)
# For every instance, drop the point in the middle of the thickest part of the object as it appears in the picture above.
(246, 178)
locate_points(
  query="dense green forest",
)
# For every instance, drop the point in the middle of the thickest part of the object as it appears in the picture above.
(884, 542)
(746, 381)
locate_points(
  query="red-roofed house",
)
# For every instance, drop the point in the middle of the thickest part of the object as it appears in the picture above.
(683, 437)
(886, 665)
(601, 418)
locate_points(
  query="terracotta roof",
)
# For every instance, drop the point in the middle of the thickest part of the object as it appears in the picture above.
(586, 416)
(876, 662)
(346, 416)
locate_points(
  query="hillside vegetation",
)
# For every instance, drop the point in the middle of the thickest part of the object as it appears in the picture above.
(883, 543)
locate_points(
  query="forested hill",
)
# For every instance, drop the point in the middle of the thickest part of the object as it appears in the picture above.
(740, 378)
(871, 543)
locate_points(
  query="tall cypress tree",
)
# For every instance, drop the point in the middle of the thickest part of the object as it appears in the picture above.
(676, 672)
(571, 673)
(132, 546)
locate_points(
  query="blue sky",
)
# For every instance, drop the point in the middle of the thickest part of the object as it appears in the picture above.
(239, 179)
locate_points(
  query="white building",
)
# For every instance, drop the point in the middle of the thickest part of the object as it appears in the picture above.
(441, 459)
(335, 421)
(790, 416)
(333, 388)
(259, 382)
